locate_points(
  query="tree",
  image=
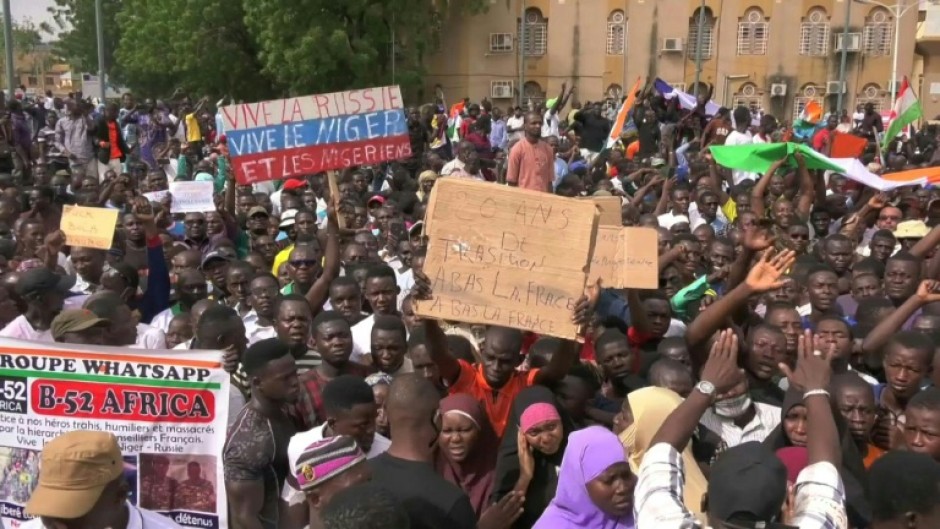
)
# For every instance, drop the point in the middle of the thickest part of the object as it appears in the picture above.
(201, 46)
(314, 46)
(77, 40)
(25, 39)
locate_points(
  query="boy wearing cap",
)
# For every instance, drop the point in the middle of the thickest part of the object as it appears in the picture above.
(82, 486)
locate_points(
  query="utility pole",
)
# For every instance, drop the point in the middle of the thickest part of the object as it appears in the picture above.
(845, 45)
(8, 43)
(521, 45)
(393, 48)
(100, 30)
(699, 38)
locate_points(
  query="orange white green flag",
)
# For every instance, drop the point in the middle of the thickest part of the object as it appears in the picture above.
(906, 110)
(622, 115)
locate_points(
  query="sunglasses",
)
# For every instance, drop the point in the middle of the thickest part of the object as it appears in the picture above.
(299, 263)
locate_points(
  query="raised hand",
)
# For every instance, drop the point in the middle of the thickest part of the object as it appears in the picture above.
(813, 364)
(929, 291)
(721, 368)
(765, 275)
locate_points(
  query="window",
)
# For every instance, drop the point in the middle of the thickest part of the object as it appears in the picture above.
(32, 80)
(752, 33)
(614, 95)
(48, 81)
(748, 97)
(807, 94)
(871, 94)
(500, 42)
(814, 34)
(535, 40)
(616, 33)
(708, 35)
(879, 30)
(533, 95)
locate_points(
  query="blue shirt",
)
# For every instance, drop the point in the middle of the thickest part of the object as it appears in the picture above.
(498, 136)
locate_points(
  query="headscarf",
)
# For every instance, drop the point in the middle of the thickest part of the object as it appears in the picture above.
(425, 176)
(589, 453)
(851, 468)
(651, 406)
(475, 474)
(545, 476)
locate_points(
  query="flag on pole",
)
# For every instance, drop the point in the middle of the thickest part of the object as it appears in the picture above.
(906, 111)
(809, 121)
(622, 114)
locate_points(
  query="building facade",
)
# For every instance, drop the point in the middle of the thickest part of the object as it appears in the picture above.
(40, 70)
(775, 55)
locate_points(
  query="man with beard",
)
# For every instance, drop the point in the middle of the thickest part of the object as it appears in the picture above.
(333, 342)
(255, 453)
(259, 322)
(837, 253)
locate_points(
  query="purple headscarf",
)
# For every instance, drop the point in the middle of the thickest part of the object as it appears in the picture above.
(589, 453)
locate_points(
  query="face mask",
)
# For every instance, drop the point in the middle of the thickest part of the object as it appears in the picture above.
(734, 407)
(376, 232)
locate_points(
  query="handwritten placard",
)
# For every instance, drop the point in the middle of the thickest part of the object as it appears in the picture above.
(506, 256)
(625, 258)
(156, 196)
(303, 135)
(192, 197)
(609, 208)
(88, 227)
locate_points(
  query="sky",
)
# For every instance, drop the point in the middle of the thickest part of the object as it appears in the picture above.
(33, 9)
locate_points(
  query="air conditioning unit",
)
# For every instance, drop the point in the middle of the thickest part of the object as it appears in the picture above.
(501, 42)
(672, 45)
(501, 90)
(778, 89)
(848, 42)
(835, 87)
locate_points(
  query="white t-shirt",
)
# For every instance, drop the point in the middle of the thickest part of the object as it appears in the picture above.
(21, 329)
(362, 340)
(515, 123)
(138, 519)
(737, 138)
(550, 124)
(302, 440)
(255, 332)
(162, 320)
(149, 338)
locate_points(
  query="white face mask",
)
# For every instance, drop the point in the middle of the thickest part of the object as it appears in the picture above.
(734, 407)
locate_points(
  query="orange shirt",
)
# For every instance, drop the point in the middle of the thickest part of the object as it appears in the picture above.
(497, 403)
(873, 454)
(531, 165)
(632, 149)
(113, 132)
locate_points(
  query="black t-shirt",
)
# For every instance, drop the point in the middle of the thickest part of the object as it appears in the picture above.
(594, 130)
(431, 501)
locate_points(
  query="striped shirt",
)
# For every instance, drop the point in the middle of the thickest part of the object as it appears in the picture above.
(657, 500)
(766, 418)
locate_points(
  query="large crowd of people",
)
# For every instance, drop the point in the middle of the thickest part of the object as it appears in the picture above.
(782, 375)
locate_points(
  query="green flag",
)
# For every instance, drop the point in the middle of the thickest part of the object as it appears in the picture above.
(757, 158)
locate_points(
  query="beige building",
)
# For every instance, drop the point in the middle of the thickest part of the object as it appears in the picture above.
(40, 70)
(770, 54)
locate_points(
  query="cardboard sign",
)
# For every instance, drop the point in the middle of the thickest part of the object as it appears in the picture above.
(609, 209)
(304, 135)
(625, 258)
(334, 197)
(192, 197)
(88, 227)
(506, 256)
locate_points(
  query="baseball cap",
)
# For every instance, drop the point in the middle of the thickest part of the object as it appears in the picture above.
(325, 459)
(377, 198)
(42, 280)
(747, 481)
(294, 183)
(287, 218)
(911, 229)
(74, 320)
(74, 469)
(219, 254)
(258, 210)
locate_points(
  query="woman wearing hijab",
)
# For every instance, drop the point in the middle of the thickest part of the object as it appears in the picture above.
(792, 432)
(535, 437)
(467, 445)
(643, 412)
(595, 485)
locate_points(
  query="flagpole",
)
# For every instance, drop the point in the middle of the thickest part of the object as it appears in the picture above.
(698, 48)
(521, 44)
(845, 38)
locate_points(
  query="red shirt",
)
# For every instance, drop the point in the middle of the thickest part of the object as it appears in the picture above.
(115, 146)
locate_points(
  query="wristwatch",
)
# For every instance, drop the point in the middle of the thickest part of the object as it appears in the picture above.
(706, 388)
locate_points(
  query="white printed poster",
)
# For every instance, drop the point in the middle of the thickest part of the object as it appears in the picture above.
(168, 409)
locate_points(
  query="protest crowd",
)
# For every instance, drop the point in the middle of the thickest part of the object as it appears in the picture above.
(783, 374)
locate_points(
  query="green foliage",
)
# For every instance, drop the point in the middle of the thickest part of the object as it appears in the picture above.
(262, 49)
(26, 37)
(77, 40)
